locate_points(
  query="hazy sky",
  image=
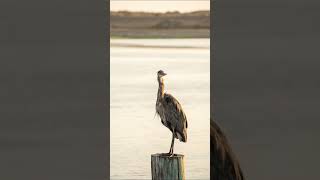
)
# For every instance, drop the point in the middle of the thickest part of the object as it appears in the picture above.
(159, 5)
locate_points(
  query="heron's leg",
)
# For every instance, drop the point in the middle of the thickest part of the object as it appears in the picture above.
(172, 143)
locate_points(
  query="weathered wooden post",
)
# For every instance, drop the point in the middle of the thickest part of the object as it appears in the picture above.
(164, 167)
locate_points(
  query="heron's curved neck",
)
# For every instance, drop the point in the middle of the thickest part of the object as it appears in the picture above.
(161, 88)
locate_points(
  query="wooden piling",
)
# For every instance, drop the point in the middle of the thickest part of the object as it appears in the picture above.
(164, 167)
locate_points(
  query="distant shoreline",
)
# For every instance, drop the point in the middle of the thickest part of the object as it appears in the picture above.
(155, 46)
(168, 36)
(160, 25)
(155, 37)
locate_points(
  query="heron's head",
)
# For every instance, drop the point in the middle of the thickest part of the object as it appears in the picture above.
(161, 74)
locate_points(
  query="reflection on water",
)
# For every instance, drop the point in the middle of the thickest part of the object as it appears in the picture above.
(135, 133)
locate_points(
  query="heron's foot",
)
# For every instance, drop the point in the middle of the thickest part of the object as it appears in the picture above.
(166, 154)
(171, 153)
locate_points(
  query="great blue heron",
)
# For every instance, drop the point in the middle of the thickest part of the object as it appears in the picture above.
(223, 162)
(171, 113)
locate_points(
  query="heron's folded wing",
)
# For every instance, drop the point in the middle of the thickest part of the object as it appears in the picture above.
(175, 112)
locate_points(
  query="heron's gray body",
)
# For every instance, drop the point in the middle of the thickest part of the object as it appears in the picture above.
(171, 113)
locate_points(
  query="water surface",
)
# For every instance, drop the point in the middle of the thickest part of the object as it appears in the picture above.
(135, 132)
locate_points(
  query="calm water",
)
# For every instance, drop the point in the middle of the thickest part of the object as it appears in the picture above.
(135, 133)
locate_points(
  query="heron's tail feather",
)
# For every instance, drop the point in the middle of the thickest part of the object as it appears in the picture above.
(182, 136)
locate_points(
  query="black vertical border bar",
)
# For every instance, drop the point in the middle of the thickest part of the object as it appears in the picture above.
(266, 85)
(212, 53)
(108, 84)
(212, 62)
(54, 90)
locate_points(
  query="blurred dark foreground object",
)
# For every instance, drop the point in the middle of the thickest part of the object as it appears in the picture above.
(223, 163)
